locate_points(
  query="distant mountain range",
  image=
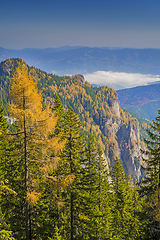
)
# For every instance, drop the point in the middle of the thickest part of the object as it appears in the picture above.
(142, 100)
(69, 60)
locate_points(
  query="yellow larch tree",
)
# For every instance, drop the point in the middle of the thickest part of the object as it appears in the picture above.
(39, 149)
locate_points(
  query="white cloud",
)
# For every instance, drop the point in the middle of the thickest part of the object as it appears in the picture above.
(127, 80)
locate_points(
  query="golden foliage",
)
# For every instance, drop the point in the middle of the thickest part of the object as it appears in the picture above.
(33, 197)
(49, 165)
(27, 104)
(67, 180)
(26, 101)
(37, 125)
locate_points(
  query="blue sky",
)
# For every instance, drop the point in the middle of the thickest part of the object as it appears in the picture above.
(102, 23)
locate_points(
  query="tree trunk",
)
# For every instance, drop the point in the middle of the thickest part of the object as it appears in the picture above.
(71, 215)
(71, 208)
(28, 237)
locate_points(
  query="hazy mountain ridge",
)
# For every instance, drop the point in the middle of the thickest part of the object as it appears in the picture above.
(98, 108)
(142, 100)
(73, 60)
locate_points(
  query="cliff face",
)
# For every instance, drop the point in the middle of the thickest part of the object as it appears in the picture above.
(124, 141)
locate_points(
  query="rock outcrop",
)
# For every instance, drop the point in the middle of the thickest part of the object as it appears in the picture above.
(79, 78)
(124, 141)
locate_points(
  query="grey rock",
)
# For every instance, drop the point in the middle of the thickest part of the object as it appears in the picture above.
(124, 141)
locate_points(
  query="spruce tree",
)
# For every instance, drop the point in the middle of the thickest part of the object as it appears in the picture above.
(5, 148)
(10, 187)
(95, 196)
(123, 207)
(105, 198)
(72, 156)
(89, 191)
(59, 112)
(150, 186)
(139, 224)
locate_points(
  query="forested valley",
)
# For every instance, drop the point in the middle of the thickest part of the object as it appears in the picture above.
(54, 180)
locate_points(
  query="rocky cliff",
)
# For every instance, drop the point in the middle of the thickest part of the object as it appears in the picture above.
(124, 141)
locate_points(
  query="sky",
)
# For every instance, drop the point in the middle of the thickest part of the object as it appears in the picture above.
(93, 23)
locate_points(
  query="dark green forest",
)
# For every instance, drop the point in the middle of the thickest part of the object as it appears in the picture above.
(54, 181)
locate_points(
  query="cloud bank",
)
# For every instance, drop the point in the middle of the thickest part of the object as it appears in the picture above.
(125, 80)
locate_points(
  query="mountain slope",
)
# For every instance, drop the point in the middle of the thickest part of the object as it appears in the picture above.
(98, 108)
(142, 100)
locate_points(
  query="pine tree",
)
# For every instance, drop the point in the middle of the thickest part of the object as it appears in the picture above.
(4, 149)
(105, 198)
(123, 207)
(9, 172)
(95, 198)
(73, 154)
(150, 186)
(59, 112)
(139, 224)
(3, 140)
(88, 194)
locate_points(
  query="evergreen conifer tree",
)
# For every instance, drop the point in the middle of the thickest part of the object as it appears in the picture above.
(89, 191)
(4, 149)
(9, 186)
(59, 112)
(123, 207)
(72, 156)
(105, 198)
(150, 186)
(139, 223)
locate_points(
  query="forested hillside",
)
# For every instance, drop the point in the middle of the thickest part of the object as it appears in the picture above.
(98, 108)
